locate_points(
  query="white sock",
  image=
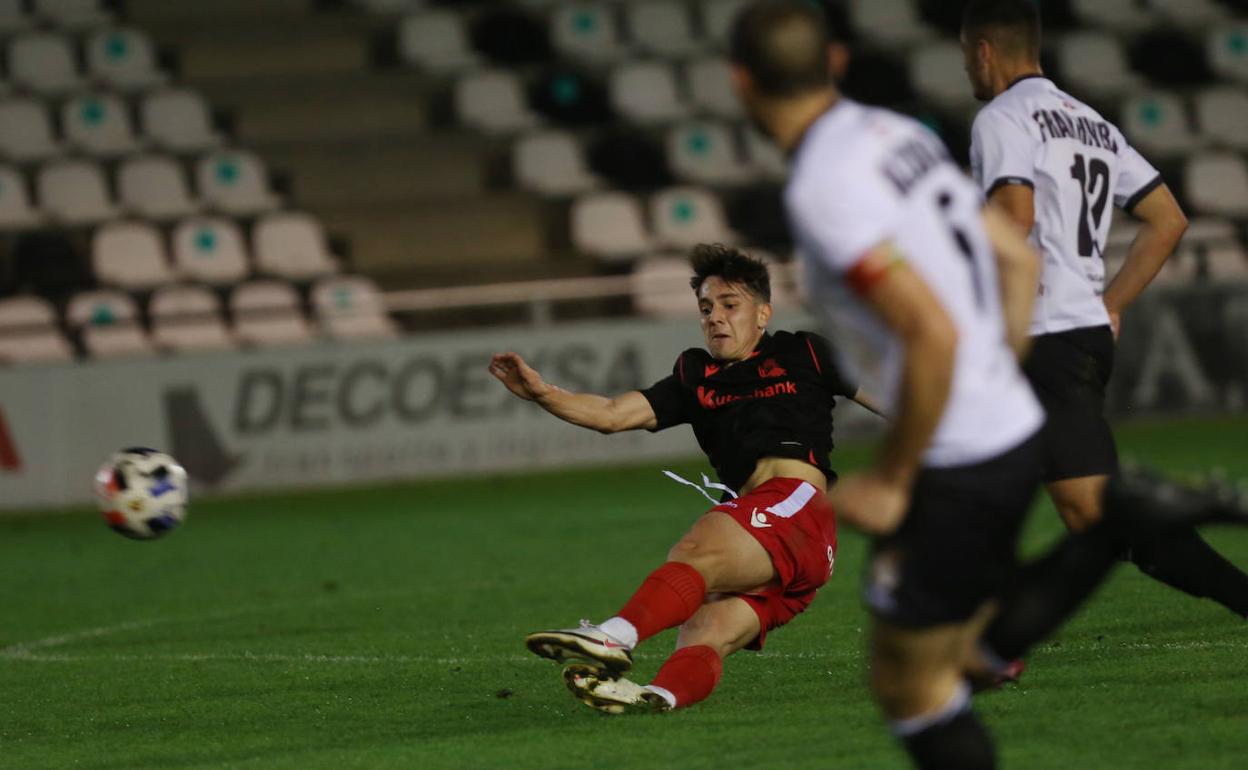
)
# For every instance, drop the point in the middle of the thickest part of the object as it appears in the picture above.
(665, 693)
(620, 630)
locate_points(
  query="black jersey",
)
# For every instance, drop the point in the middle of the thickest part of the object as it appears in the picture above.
(776, 403)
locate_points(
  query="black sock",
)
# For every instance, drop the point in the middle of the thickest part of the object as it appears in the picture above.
(960, 743)
(1182, 559)
(1047, 591)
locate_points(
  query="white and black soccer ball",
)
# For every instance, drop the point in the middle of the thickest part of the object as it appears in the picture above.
(142, 493)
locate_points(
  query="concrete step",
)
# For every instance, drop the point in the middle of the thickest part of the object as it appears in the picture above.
(467, 236)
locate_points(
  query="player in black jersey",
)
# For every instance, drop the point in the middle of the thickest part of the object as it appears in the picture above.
(760, 406)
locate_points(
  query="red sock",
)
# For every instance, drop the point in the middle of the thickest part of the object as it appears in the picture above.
(667, 598)
(690, 674)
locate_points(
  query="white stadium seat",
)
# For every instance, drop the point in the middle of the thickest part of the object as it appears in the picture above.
(73, 14)
(108, 322)
(268, 312)
(1157, 122)
(436, 41)
(124, 59)
(683, 217)
(74, 192)
(889, 22)
(938, 72)
(587, 31)
(660, 287)
(1215, 243)
(1120, 16)
(26, 131)
(661, 27)
(1227, 49)
(493, 101)
(98, 124)
(155, 187)
(711, 89)
(43, 62)
(350, 307)
(1094, 62)
(609, 226)
(235, 182)
(1222, 114)
(1192, 14)
(178, 120)
(16, 212)
(292, 245)
(552, 163)
(705, 152)
(718, 17)
(130, 256)
(28, 332)
(210, 250)
(647, 93)
(188, 319)
(1217, 183)
(26, 313)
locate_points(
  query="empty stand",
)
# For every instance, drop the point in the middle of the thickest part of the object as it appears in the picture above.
(178, 120)
(268, 312)
(292, 245)
(26, 131)
(75, 192)
(683, 217)
(16, 211)
(43, 62)
(552, 163)
(108, 324)
(705, 152)
(436, 41)
(351, 308)
(493, 101)
(235, 182)
(123, 59)
(647, 93)
(609, 226)
(188, 319)
(98, 124)
(210, 250)
(155, 187)
(130, 256)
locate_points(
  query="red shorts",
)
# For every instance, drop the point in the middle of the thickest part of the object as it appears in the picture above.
(795, 523)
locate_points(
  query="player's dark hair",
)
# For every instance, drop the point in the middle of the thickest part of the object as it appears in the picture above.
(1013, 25)
(731, 265)
(783, 44)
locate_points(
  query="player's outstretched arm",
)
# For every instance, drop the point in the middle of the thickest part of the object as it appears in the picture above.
(875, 501)
(863, 399)
(1164, 224)
(1018, 269)
(606, 415)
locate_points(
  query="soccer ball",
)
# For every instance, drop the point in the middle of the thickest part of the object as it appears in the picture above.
(142, 493)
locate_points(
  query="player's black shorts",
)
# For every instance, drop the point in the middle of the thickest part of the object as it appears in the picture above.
(957, 546)
(1069, 372)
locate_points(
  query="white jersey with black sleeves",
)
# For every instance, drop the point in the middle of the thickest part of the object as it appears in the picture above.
(863, 177)
(1037, 135)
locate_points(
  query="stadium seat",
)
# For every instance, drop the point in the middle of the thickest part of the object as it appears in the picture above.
(235, 182)
(1216, 183)
(29, 334)
(188, 319)
(123, 59)
(210, 250)
(711, 89)
(888, 22)
(26, 131)
(646, 93)
(609, 226)
(493, 101)
(659, 286)
(108, 324)
(938, 73)
(178, 120)
(436, 41)
(1190, 14)
(1119, 16)
(43, 62)
(766, 158)
(98, 124)
(587, 32)
(74, 192)
(1094, 63)
(1156, 121)
(16, 213)
(130, 256)
(154, 187)
(351, 308)
(73, 14)
(1222, 114)
(1214, 243)
(1227, 51)
(717, 19)
(661, 27)
(683, 217)
(13, 17)
(552, 163)
(291, 245)
(267, 312)
(705, 152)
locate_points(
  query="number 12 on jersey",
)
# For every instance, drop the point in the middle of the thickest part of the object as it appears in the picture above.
(1093, 178)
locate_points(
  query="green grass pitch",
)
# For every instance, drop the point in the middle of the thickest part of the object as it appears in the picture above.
(383, 628)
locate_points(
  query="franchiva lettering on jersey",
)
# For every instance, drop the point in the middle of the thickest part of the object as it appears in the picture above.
(912, 160)
(1093, 133)
(709, 399)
